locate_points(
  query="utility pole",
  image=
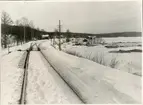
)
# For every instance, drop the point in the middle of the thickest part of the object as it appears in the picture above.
(59, 35)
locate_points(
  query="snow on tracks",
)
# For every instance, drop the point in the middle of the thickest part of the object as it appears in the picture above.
(44, 86)
(22, 60)
(93, 82)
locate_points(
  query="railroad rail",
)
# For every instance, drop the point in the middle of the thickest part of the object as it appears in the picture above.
(74, 91)
(24, 83)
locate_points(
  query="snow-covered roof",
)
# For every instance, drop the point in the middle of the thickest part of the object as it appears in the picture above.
(43, 36)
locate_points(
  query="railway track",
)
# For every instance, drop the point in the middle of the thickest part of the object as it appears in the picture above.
(74, 91)
(24, 83)
(25, 67)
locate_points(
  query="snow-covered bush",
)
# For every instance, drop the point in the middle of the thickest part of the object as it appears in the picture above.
(114, 62)
(74, 53)
(67, 39)
(95, 40)
(98, 58)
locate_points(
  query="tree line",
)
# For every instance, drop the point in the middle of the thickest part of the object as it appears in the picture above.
(20, 31)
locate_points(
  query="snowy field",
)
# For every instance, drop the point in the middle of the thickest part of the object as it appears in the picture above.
(123, 39)
(94, 83)
(129, 62)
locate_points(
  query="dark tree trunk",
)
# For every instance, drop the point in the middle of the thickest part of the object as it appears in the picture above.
(17, 42)
(5, 41)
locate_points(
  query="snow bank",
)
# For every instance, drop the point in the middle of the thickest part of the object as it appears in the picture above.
(15, 48)
(93, 82)
(11, 78)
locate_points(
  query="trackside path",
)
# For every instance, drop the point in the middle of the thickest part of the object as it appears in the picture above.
(44, 84)
(11, 78)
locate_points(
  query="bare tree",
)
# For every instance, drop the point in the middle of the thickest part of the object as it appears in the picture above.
(68, 35)
(43, 30)
(5, 20)
(19, 38)
(24, 22)
(17, 22)
(54, 37)
(31, 24)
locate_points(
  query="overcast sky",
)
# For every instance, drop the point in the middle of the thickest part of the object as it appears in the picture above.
(90, 17)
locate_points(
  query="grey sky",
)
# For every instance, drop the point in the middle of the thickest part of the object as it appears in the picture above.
(91, 17)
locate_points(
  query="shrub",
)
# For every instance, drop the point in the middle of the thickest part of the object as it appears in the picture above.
(138, 74)
(84, 40)
(67, 40)
(74, 53)
(98, 58)
(113, 63)
(89, 56)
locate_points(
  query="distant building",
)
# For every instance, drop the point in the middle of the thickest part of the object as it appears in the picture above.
(93, 40)
(45, 36)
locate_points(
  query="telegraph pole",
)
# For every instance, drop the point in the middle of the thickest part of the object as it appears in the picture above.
(59, 35)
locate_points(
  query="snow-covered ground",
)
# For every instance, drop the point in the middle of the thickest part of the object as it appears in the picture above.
(15, 48)
(129, 62)
(11, 78)
(94, 83)
(44, 84)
